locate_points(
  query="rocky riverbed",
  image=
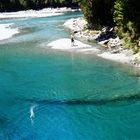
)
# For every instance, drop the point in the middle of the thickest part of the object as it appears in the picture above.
(111, 43)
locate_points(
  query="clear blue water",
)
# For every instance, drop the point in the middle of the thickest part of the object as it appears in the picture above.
(73, 96)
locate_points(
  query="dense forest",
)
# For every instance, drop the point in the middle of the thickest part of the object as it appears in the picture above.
(123, 15)
(16, 5)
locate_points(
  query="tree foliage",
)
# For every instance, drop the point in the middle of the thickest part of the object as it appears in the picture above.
(97, 12)
(124, 15)
(127, 19)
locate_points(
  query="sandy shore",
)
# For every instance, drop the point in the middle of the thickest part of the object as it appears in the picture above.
(123, 55)
(65, 44)
(120, 57)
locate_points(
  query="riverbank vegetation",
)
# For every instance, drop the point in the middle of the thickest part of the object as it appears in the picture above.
(122, 15)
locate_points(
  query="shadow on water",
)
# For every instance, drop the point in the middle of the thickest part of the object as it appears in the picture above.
(113, 100)
(3, 121)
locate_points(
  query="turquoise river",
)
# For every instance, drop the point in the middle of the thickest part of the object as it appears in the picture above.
(46, 94)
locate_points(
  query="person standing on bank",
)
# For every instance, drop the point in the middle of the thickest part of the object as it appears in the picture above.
(72, 40)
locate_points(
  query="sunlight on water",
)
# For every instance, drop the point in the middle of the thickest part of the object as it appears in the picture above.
(49, 94)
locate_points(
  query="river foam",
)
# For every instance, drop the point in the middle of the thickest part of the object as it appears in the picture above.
(7, 31)
(47, 12)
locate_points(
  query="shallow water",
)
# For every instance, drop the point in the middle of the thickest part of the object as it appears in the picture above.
(49, 94)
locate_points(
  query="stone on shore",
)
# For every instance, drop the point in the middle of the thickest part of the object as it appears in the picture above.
(106, 38)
